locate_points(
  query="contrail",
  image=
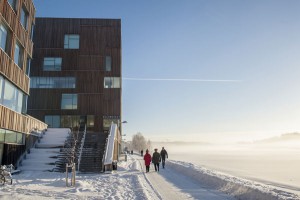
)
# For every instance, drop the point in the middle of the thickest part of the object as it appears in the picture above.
(179, 79)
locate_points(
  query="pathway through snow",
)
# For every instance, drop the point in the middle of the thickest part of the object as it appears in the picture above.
(168, 184)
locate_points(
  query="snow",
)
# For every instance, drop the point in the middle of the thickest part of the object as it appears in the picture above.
(39, 158)
(179, 180)
(109, 152)
(54, 137)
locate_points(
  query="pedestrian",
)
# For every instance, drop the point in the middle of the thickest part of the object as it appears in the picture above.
(163, 154)
(156, 160)
(147, 158)
(142, 152)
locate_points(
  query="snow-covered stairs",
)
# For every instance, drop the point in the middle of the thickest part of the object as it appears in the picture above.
(43, 156)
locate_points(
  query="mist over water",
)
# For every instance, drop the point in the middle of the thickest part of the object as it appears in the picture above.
(274, 161)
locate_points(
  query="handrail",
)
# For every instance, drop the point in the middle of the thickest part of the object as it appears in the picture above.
(109, 150)
(81, 147)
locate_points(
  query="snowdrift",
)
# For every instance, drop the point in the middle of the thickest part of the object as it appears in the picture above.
(236, 187)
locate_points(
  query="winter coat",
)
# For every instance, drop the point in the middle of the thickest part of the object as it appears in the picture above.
(164, 153)
(156, 158)
(147, 158)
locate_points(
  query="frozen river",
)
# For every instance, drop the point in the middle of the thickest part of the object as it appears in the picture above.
(272, 166)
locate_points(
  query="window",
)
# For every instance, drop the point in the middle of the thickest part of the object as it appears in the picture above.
(108, 63)
(19, 101)
(112, 82)
(3, 37)
(10, 136)
(24, 17)
(69, 121)
(28, 66)
(53, 121)
(18, 58)
(52, 82)
(24, 104)
(2, 137)
(13, 4)
(71, 42)
(10, 96)
(69, 101)
(52, 64)
(90, 121)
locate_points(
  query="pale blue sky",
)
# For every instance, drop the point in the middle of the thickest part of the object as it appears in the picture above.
(255, 42)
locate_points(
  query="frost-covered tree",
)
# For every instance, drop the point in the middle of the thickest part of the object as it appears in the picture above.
(138, 142)
(149, 145)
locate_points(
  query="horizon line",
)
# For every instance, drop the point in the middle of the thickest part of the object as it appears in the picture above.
(179, 79)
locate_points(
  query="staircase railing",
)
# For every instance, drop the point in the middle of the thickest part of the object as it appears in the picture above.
(109, 149)
(81, 147)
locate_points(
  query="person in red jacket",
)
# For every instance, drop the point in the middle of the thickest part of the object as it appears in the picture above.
(147, 158)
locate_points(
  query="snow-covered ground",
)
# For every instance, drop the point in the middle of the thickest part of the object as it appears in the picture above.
(180, 180)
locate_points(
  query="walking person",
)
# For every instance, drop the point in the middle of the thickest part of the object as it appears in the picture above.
(163, 154)
(156, 160)
(142, 152)
(147, 158)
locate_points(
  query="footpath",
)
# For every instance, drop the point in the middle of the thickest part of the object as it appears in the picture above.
(169, 184)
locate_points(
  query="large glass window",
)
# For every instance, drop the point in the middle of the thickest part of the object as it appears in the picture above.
(10, 136)
(24, 17)
(52, 64)
(10, 96)
(53, 121)
(24, 104)
(3, 37)
(69, 121)
(2, 135)
(28, 66)
(108, 63)
(52, 82)
(71, 42)
(13, 4)
(112, 82)
(18, 58)
(19, 101)
(7, 136)
(69, 101)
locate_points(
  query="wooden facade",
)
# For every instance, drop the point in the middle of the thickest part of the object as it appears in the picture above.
(15, 76)
(98, 38)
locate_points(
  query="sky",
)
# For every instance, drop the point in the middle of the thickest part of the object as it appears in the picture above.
(203, 70)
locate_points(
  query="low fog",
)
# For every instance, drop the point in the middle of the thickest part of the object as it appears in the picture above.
(274, 160)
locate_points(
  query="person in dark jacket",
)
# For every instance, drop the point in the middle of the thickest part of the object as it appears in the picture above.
(164, 155)
(156, 160)
(147, 158)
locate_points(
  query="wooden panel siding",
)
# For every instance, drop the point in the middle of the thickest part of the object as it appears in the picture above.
(13, 21)
(17, 122)
(98, 38)
(14, 73)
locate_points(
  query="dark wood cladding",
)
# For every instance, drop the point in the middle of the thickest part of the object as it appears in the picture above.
(98, 38)
(17, 122)
(14, 73)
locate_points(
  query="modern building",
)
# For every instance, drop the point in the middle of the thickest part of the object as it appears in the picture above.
(17, 18)
(76, 74)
